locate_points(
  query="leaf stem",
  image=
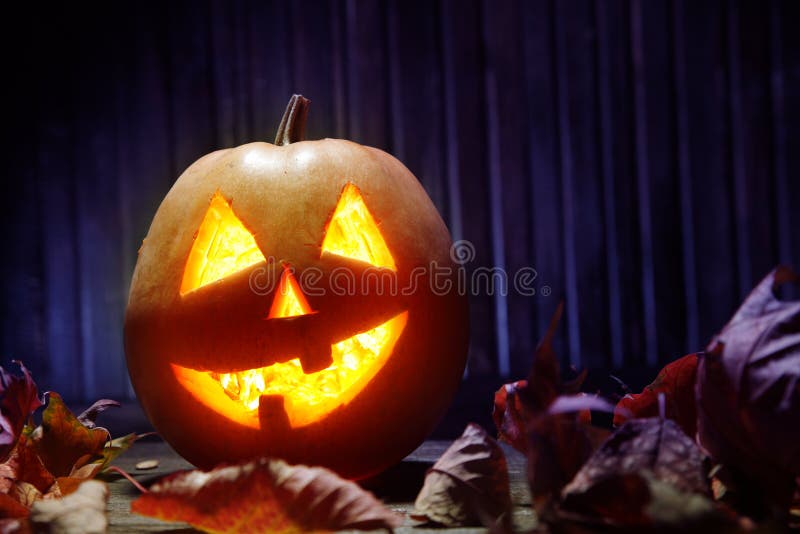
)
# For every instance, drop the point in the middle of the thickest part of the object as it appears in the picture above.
(130, 478)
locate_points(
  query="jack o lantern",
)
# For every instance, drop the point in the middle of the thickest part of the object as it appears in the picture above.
(296, 300)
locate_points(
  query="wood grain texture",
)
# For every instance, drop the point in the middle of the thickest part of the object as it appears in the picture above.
(641, 158)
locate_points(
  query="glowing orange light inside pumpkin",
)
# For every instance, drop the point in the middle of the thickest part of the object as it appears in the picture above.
(353, 233)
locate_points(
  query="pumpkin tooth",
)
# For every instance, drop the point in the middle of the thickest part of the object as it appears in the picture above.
(272, 411)
(316, 359)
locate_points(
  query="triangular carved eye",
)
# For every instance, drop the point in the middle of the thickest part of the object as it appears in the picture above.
(222, 247)
(353, 233)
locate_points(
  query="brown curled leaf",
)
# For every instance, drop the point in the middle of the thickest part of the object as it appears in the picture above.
(748, 392)
(653, 444)
(647, 473)
(264, 496)
(560, 438)
(89, 416)
(638, 502)
(468, 485)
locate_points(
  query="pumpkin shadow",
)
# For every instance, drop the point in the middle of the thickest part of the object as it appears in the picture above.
(399, 483)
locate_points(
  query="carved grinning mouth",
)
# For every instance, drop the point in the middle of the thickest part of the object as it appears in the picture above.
(224, 246)
(306, 397)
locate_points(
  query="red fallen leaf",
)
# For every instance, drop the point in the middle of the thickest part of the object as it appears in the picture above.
(66, 485)
(63, 445)
(676, 382)
(63, 440)
(508, 416)
(468, 485)
(559, 439)
(11, 507)
(90, 465)
(511, 412)
(24, 465)
(264, 496)
(553, 420)
(19, 398)
(25, 479)
(748, 392)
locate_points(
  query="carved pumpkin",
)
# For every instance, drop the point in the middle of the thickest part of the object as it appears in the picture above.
(285, 303)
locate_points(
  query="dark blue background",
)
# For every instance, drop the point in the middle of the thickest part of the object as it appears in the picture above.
(643, 156)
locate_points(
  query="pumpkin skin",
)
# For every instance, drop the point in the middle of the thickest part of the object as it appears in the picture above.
(285, 197)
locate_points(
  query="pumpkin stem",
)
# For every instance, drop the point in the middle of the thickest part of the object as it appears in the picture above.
(293, 124)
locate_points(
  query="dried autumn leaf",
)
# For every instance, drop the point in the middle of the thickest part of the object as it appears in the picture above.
(653, 444)
(52, 460)
(26, 494)
(81, 512)
(468, 485)
(544, 384)
(508, 416)
(638, 502)
(19, 398)
(11, 507)
(647, 472)
(558, 448)
(24, 465)
(63, 440)
(559, 437)
(66, 485)
(676, 382)
(89, 416)
(264, 496)
(516, 403)
(90, 465)
(116, 447)
(25, 479)
(748, 391)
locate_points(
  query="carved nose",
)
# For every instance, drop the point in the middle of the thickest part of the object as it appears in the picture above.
(289, 301)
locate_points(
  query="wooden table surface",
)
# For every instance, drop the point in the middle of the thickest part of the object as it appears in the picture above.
(397, 487)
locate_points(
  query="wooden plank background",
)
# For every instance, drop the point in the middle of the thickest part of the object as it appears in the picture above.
(642, 156)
